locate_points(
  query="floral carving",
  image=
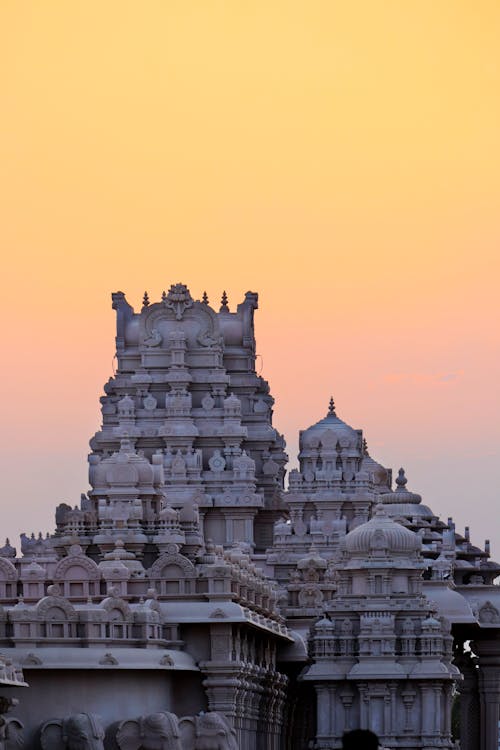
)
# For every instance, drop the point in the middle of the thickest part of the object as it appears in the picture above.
(178, 299)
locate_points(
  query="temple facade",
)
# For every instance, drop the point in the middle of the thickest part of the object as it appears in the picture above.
(189, 601)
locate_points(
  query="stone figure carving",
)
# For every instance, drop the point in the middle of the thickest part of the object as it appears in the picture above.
(158, 731)
(408, 626)
(75, 732)
(310, 596)
(11, 734)
(154, 338)
(178, 465)
(11, 729)
(346, 626)
(149, 402)
(488, 613)
(208, 402)
(210, 731)
(61, 513)
(217, 462)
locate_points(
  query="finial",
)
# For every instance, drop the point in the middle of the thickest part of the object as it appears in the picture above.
(331, 408)
(224, 307)
(365, 447)
(145, 300)
(401, 480)
(163, 296)
(205, 298)
(487, 546)
(467, 533)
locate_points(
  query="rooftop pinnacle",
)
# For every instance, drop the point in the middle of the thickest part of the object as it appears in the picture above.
(331, 408)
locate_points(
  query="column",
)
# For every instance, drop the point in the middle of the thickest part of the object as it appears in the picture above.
(363, 705)
(469, 701)
(323, 711)
(447, 706)
(391, 730)
(427, 709)
(488, 652)
(325, 715)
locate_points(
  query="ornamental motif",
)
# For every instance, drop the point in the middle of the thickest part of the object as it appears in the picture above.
(178, 299)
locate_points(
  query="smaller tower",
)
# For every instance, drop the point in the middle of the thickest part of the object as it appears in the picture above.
(382, 660)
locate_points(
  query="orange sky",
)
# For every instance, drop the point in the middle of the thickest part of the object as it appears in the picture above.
(340, 158)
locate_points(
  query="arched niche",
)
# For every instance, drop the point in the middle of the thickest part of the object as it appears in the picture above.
(173, 574)
(78, 576)
(8, 579)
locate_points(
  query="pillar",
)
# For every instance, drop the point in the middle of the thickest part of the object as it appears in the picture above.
(469, 702)
(488, 652)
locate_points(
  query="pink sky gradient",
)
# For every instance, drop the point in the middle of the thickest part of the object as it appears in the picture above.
(341, 159)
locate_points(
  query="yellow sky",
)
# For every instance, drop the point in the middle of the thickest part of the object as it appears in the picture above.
(340, 158)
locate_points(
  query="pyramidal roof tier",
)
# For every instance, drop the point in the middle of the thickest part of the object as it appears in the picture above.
(331, 432)
(186, 429)
(334, 455)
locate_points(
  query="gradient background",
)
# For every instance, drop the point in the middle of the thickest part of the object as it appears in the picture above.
(340, 158)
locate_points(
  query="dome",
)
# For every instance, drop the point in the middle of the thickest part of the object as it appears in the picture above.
(330, 431)
(381, 533)
(448, 601)
(119, 552)
(408, 510)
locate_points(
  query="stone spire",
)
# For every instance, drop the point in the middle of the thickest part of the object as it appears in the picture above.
(331, 408)
(401, 479)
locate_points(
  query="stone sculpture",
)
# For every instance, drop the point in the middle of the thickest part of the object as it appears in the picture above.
(164, 731)
(158, 731)
(76, 732)
(11, 729)
(210, 731)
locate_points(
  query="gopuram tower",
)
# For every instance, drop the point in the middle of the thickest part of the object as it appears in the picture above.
(189, 601)
(187, 401)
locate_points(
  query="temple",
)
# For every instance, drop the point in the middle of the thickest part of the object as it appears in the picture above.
(189, 601)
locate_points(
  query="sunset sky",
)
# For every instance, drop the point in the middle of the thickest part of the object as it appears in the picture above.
(340, 158)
